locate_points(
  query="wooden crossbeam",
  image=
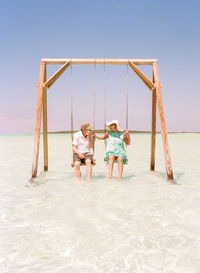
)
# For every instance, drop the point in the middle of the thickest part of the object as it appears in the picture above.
(100, 61)
(56, 75)
(142, 76)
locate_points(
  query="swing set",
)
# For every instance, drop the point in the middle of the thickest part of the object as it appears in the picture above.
(153, 85)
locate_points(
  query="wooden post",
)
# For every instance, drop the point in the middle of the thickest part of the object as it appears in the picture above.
(153, 126)
(45, 134)
(168, 163)
(38, 120)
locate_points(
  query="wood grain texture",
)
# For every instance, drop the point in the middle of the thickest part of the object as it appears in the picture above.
(56, 75)
(153, 128)
(38, 120)
(168, 163)
(99, 61)
(142, 76)
(45, 133)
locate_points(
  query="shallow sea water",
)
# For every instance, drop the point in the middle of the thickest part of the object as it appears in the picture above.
(59, 224)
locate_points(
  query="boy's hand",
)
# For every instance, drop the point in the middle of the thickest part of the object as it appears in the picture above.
(89, 132)
(81, 156)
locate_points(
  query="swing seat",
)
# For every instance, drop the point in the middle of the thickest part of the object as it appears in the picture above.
(105, 159)
(84, 164)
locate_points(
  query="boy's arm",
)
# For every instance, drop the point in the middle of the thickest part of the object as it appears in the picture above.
(75, 150)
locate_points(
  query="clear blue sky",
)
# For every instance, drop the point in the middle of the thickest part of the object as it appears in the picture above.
(166, 30)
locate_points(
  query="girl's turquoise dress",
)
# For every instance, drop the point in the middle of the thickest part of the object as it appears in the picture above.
(115, 146)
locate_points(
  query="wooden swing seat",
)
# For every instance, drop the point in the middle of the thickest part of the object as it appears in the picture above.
(105, 160)
(84, 164)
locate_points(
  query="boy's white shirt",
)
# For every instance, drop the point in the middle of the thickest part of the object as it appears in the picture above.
(82, 143)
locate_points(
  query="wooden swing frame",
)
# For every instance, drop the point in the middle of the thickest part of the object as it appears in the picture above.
(154, 86)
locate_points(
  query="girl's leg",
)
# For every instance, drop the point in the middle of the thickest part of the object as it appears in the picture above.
(111, 164)
(120, 166)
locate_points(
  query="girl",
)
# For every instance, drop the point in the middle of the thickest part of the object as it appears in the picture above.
(115, 150)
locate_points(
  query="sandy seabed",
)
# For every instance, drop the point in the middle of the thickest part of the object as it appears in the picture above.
(142, 225)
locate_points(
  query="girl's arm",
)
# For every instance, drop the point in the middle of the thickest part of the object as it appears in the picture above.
(102, 137)
(90, 139)
(127, 137)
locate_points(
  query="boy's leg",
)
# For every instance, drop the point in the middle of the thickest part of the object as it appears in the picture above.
(77, 165)
(88, 163)
(120, 166)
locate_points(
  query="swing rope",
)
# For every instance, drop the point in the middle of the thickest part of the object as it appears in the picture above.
(71, 108)
(126, 148)
(71, 102)
(127, 98)
(72, 115)
(105, 140)
(94, 113)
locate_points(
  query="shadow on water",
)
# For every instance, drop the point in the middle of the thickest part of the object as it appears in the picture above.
(39, 180)
(32, 182)
(98, 176)
(45, 177)
(179, 176)
(128, 177)
(53, 176)
(164, 177)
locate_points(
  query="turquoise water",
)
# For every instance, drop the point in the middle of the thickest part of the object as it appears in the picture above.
(143, 224)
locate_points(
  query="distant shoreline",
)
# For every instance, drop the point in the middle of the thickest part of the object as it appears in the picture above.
(96, 131)
(130, 131)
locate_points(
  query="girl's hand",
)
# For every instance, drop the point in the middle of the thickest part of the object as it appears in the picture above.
(127, 138)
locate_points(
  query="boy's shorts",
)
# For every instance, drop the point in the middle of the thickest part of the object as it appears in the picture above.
(87, 156)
